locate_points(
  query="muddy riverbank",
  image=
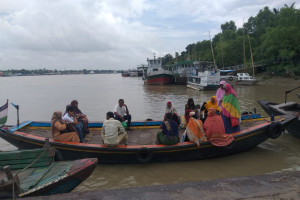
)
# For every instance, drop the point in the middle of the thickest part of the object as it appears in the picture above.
(281, 185)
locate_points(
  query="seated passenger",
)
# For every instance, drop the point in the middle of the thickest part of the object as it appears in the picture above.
(215, 130)
(121, 113)
(81, 117)
(212, 103)
(171, 109)
(71, 117)
(113, 133)
(194, 130)
(58, 127)
(169, 134)
(189, 107)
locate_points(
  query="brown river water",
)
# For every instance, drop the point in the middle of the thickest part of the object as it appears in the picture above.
(39, 96)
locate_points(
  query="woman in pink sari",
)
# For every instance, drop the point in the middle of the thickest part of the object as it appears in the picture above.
(220, 93)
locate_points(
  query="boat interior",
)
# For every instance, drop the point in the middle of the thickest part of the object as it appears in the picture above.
(142, 135)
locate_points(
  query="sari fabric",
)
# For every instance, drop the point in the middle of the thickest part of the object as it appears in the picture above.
(195, 131)
(214, 105)
(173, 111)
(215, 130)
(169, 134)
(230, 110)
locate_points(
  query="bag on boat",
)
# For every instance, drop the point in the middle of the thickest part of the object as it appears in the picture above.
(124, 124)
(70, 128)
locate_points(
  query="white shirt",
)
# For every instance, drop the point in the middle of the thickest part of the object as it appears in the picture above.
(120, 110)
(67, 118)
(111, 129)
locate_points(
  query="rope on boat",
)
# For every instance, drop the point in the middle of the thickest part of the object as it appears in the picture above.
(46, 147)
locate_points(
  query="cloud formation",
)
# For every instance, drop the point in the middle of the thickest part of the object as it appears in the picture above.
(110, 34)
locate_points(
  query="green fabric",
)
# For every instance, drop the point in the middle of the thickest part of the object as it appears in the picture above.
(162, 139)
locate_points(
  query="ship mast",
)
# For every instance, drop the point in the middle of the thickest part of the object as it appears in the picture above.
(212, 51)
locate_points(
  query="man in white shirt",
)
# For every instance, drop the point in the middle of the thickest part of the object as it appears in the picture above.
(71, 117)
(121, 113)
(113, 133)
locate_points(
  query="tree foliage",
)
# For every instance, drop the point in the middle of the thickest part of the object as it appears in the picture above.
(273, 35)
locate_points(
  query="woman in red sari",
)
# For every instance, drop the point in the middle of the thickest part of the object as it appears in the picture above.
(214, 129)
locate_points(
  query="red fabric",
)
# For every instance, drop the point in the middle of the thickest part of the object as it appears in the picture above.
(215, 130)
(234, 121)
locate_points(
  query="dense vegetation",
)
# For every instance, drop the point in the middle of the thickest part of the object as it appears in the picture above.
(272, 35)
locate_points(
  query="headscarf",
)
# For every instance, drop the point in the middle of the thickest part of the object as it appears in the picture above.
(214, 105)
(230, 104)
(171, 109)
(229, 90)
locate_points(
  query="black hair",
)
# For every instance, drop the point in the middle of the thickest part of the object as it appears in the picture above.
(110, 114)
(70, 108)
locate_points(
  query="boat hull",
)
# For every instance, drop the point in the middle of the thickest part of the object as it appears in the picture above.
(159, 79)
(245, 82)
(183, 151)
(202, 87)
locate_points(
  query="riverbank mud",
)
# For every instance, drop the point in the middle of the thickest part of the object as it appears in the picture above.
(281, 185)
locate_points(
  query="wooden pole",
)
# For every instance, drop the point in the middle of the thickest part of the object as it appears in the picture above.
(251, 56)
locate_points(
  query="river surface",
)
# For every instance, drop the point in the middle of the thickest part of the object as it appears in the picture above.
(39, 96)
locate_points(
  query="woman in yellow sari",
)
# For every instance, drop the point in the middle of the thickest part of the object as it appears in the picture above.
(212, 103)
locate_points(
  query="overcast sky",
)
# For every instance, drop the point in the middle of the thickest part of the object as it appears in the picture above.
(111, 34)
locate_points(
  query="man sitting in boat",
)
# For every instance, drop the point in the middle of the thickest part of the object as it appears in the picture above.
(70, 116)
(121, 113)
(169, 134)
(171, 109)
(58, 129)
(113, 132)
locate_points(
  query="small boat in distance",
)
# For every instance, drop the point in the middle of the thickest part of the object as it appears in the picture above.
(35, 173)
(156, 75)
(245, 79)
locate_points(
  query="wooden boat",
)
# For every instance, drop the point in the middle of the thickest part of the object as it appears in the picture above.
(141, 146)
(291, 108)
(34, 173)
